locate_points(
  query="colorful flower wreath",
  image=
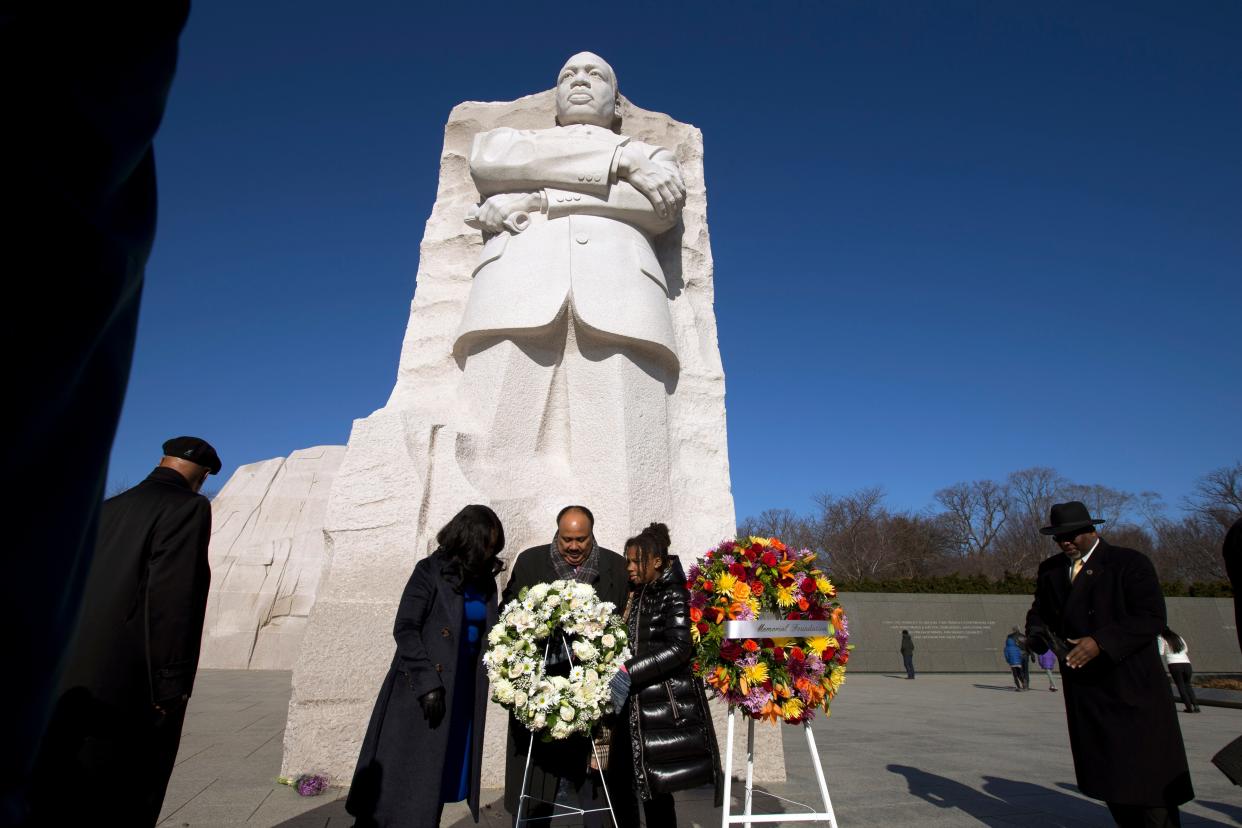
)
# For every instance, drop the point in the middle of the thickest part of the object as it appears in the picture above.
(769, 679)
(559, 706)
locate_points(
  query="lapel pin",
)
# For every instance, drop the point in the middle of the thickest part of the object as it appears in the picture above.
(1088, 571)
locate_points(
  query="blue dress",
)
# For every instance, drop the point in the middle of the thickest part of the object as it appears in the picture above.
(458, 770)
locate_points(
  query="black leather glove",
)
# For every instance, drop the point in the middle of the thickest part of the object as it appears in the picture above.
(433, 706)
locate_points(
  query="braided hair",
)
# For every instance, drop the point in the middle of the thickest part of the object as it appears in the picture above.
(652, 542)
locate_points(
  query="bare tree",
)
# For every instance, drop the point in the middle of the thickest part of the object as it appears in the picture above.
(1218, 495)
(976, 513)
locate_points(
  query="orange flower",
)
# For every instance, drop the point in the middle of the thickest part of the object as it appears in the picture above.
(749, 645)
(696, 614)
(756, 587)
(802, 604)
(771, 712)
(777, 545)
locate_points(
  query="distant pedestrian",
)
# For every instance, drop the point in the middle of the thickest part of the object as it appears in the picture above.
(1015, 658)
(907, 652)
(1176, 657)
(122, 699)
(1048, 660)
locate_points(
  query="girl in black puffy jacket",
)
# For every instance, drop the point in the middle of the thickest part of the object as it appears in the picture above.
(665, 741)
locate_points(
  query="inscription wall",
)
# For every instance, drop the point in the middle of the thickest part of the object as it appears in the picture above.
(966, 633)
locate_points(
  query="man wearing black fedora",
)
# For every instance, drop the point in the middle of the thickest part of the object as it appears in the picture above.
(1100, 607)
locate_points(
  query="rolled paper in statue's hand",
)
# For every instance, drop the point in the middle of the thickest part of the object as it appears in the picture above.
(517, 222)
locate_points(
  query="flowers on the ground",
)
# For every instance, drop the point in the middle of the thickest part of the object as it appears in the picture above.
(781, 679)
(306, 784)
(556, 705)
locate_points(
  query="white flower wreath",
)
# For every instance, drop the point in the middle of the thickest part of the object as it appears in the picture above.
(559, 706)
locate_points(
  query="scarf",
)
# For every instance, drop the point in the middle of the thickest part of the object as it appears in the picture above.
(587, 573)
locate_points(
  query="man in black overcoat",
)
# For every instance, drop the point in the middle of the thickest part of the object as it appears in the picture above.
(559, 768)
(1100, 607)
(122, 698)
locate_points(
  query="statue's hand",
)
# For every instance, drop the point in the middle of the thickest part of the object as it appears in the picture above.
(494, 214)
(662, 187)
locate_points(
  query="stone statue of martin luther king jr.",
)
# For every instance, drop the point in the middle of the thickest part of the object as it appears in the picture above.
(567, 343)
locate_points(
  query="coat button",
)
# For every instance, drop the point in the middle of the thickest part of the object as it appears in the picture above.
(582, 238)
(439, 668)
(444, 631)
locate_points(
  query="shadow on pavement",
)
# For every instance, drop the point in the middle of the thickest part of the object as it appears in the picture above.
(1008, 688)
(1234, 812)
(1001, 800)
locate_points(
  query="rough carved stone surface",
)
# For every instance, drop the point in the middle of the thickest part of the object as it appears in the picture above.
(266, 557)
(412, 464)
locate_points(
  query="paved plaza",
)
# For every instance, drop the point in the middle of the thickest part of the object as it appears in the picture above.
(956, 749)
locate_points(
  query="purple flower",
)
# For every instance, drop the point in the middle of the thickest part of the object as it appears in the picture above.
(311, 784)
(728, 560)
(694, 572)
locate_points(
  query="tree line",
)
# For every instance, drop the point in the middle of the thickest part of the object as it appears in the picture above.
(983, 535)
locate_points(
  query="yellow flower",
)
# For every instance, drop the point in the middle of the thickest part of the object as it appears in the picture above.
(753, 603)
(756, 673)
(792, 708)
(765, 542)
(818, 643)
(823, 585)
(694, 633)
(784, 596)
(725, 584)
(834, 680)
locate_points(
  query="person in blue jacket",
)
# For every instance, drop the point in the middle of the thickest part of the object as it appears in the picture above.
(1015, 656)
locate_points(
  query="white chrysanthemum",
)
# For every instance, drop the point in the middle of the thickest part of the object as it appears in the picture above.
(502, 691)
(537, 592)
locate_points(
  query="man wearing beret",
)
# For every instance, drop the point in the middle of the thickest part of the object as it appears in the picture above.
(1100, 608)
(122, 698)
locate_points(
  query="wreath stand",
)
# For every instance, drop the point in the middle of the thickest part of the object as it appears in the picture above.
(568, 810)
(774, 628)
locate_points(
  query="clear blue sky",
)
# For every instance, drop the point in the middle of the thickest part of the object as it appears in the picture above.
(951, 239)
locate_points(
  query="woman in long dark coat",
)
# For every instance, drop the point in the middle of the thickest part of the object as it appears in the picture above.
(424, 744)
(665, 741)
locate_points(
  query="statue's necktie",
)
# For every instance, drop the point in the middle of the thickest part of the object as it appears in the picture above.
(1076, 568)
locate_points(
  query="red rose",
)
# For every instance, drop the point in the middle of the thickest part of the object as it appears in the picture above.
(809, 586)
(779, 655)
(793, 616)
(702, 627)
(749, 645)
(695, 667)
(756, 586)
(737, 570)
(730, 650)
(796, 654)
(769, 559)
(829, 653)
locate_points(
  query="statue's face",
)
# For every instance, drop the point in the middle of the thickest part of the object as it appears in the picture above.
(586, 91)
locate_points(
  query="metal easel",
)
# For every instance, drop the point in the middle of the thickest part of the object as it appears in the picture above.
(569, 810)
(771, 629)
